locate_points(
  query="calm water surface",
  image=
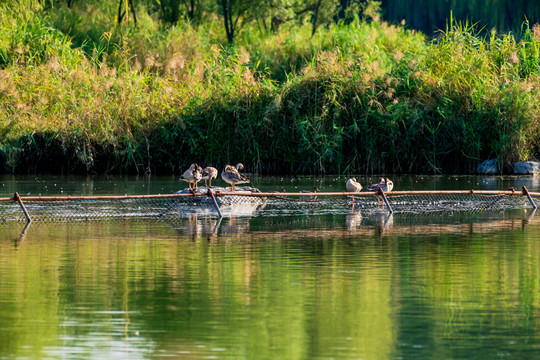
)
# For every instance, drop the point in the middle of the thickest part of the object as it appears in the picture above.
(339, 286)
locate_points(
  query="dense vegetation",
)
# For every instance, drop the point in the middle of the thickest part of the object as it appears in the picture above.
(429, 15)
(81, 92)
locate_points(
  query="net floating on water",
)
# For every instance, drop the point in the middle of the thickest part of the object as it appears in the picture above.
(247, 201)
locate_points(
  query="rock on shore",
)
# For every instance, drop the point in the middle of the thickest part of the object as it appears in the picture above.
(527, 168)
(488, 167)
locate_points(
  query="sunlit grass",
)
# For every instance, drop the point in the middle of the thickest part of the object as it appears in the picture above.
(366, 97)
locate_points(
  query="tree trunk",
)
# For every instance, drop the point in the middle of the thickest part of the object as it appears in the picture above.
(315, 16)
(191, 10)
(133, 12)
(122, 13)
(227, 15)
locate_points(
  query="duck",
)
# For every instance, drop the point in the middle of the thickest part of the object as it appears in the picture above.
(389, 185)
(353, 186)
(239, 167)
(376, 187)
(386, 185)
(192, 175)
(231, 175)
(315, 190)
(208, 174)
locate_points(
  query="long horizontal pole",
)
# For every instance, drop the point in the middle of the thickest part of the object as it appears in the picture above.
(266, 194)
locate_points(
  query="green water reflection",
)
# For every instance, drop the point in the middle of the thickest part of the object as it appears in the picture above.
(446, 286)
(145, 289)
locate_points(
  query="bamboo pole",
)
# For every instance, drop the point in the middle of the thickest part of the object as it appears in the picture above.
(19, 200)
(267, 194)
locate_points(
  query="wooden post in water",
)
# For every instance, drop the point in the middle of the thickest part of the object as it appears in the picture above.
(211, 194)
(381, 192)
(19, 200)
(526, 192)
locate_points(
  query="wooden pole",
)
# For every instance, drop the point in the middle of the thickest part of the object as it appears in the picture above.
(526, 192)
(211, 194)
(381, 192)
(266, 194)
(19, 200)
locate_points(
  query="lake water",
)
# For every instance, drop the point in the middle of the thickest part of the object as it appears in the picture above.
(461, 285)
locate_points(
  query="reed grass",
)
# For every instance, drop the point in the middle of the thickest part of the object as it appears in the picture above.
(358, 98)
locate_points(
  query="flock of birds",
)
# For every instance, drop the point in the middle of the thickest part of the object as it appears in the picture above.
(231, 175)
(386, 185)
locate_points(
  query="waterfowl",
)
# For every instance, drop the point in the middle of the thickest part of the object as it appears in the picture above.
(231, 175)
(353, 186)
(315, 190)
(239, 167)
(389, 185)
(192, 175)
(376, 187)
(208, 174)
(385, 185)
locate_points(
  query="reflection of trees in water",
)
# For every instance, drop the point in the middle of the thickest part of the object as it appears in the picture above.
(321, 285)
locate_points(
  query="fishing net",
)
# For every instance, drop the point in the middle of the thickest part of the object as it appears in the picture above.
(251, 202)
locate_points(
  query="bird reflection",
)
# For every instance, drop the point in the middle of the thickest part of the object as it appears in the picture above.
(353, 221)
(196, 227)
(234, 226)
(381, 220)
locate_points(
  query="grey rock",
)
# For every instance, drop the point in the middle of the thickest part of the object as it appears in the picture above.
(488, 167)
(527, 168)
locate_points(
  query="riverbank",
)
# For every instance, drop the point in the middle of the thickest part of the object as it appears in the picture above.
(368, 97)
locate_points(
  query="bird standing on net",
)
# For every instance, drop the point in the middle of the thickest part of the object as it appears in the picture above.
(231, 175)
(386, 185)
(353, 186)
(208, 174)
(192, 175)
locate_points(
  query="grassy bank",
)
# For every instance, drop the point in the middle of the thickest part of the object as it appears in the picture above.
(366, 97)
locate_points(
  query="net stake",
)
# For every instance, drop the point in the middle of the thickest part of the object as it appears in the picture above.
(19, 200)
(381, 192)
(211, 194)
(526, 192)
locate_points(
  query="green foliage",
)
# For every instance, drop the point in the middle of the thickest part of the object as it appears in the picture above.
(364, 96)
(33, 42)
